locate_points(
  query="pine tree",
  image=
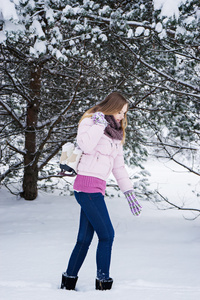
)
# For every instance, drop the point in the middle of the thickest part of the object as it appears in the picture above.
(61, 57)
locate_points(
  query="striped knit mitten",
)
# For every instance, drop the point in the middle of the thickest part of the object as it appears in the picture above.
(98, 118)
(133, 203)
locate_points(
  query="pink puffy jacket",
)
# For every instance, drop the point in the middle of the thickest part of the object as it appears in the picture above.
(101, 154)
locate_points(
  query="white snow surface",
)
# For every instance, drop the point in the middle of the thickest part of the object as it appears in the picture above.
(7, 8)
(169, 8)
(155, 256)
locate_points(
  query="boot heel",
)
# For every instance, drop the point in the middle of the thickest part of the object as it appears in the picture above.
(68, 282)
(103, 285)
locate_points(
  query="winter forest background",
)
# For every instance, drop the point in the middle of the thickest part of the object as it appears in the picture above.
(60, 57)
(57, 59)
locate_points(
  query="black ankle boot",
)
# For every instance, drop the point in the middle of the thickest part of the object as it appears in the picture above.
(68, 282)
(104, 284)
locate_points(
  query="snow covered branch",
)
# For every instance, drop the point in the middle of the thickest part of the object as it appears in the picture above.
(11, 113)
(17, 86)
(152, 68)
(53, 124)
(10, 170)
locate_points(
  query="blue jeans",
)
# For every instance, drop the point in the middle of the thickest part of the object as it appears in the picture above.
(94, 217)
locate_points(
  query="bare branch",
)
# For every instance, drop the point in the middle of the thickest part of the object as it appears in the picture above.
(171, 157)
(15, 149)
(177, 206)
(171, 146)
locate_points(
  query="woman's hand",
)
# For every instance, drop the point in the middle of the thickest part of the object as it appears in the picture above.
(133, 203)
(99, 118)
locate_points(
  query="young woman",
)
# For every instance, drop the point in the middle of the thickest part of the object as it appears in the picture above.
(101, 134)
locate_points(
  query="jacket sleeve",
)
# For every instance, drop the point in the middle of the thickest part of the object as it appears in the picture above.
(89, 135)
(120, 172)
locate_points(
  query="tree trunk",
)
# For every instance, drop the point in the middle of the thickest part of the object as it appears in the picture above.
(30, 190)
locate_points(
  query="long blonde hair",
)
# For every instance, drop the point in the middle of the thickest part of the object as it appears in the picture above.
(111, 105)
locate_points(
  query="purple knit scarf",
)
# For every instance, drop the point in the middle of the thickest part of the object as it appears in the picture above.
(113, 129)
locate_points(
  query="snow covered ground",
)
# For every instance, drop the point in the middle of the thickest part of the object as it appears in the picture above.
(155, 256)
